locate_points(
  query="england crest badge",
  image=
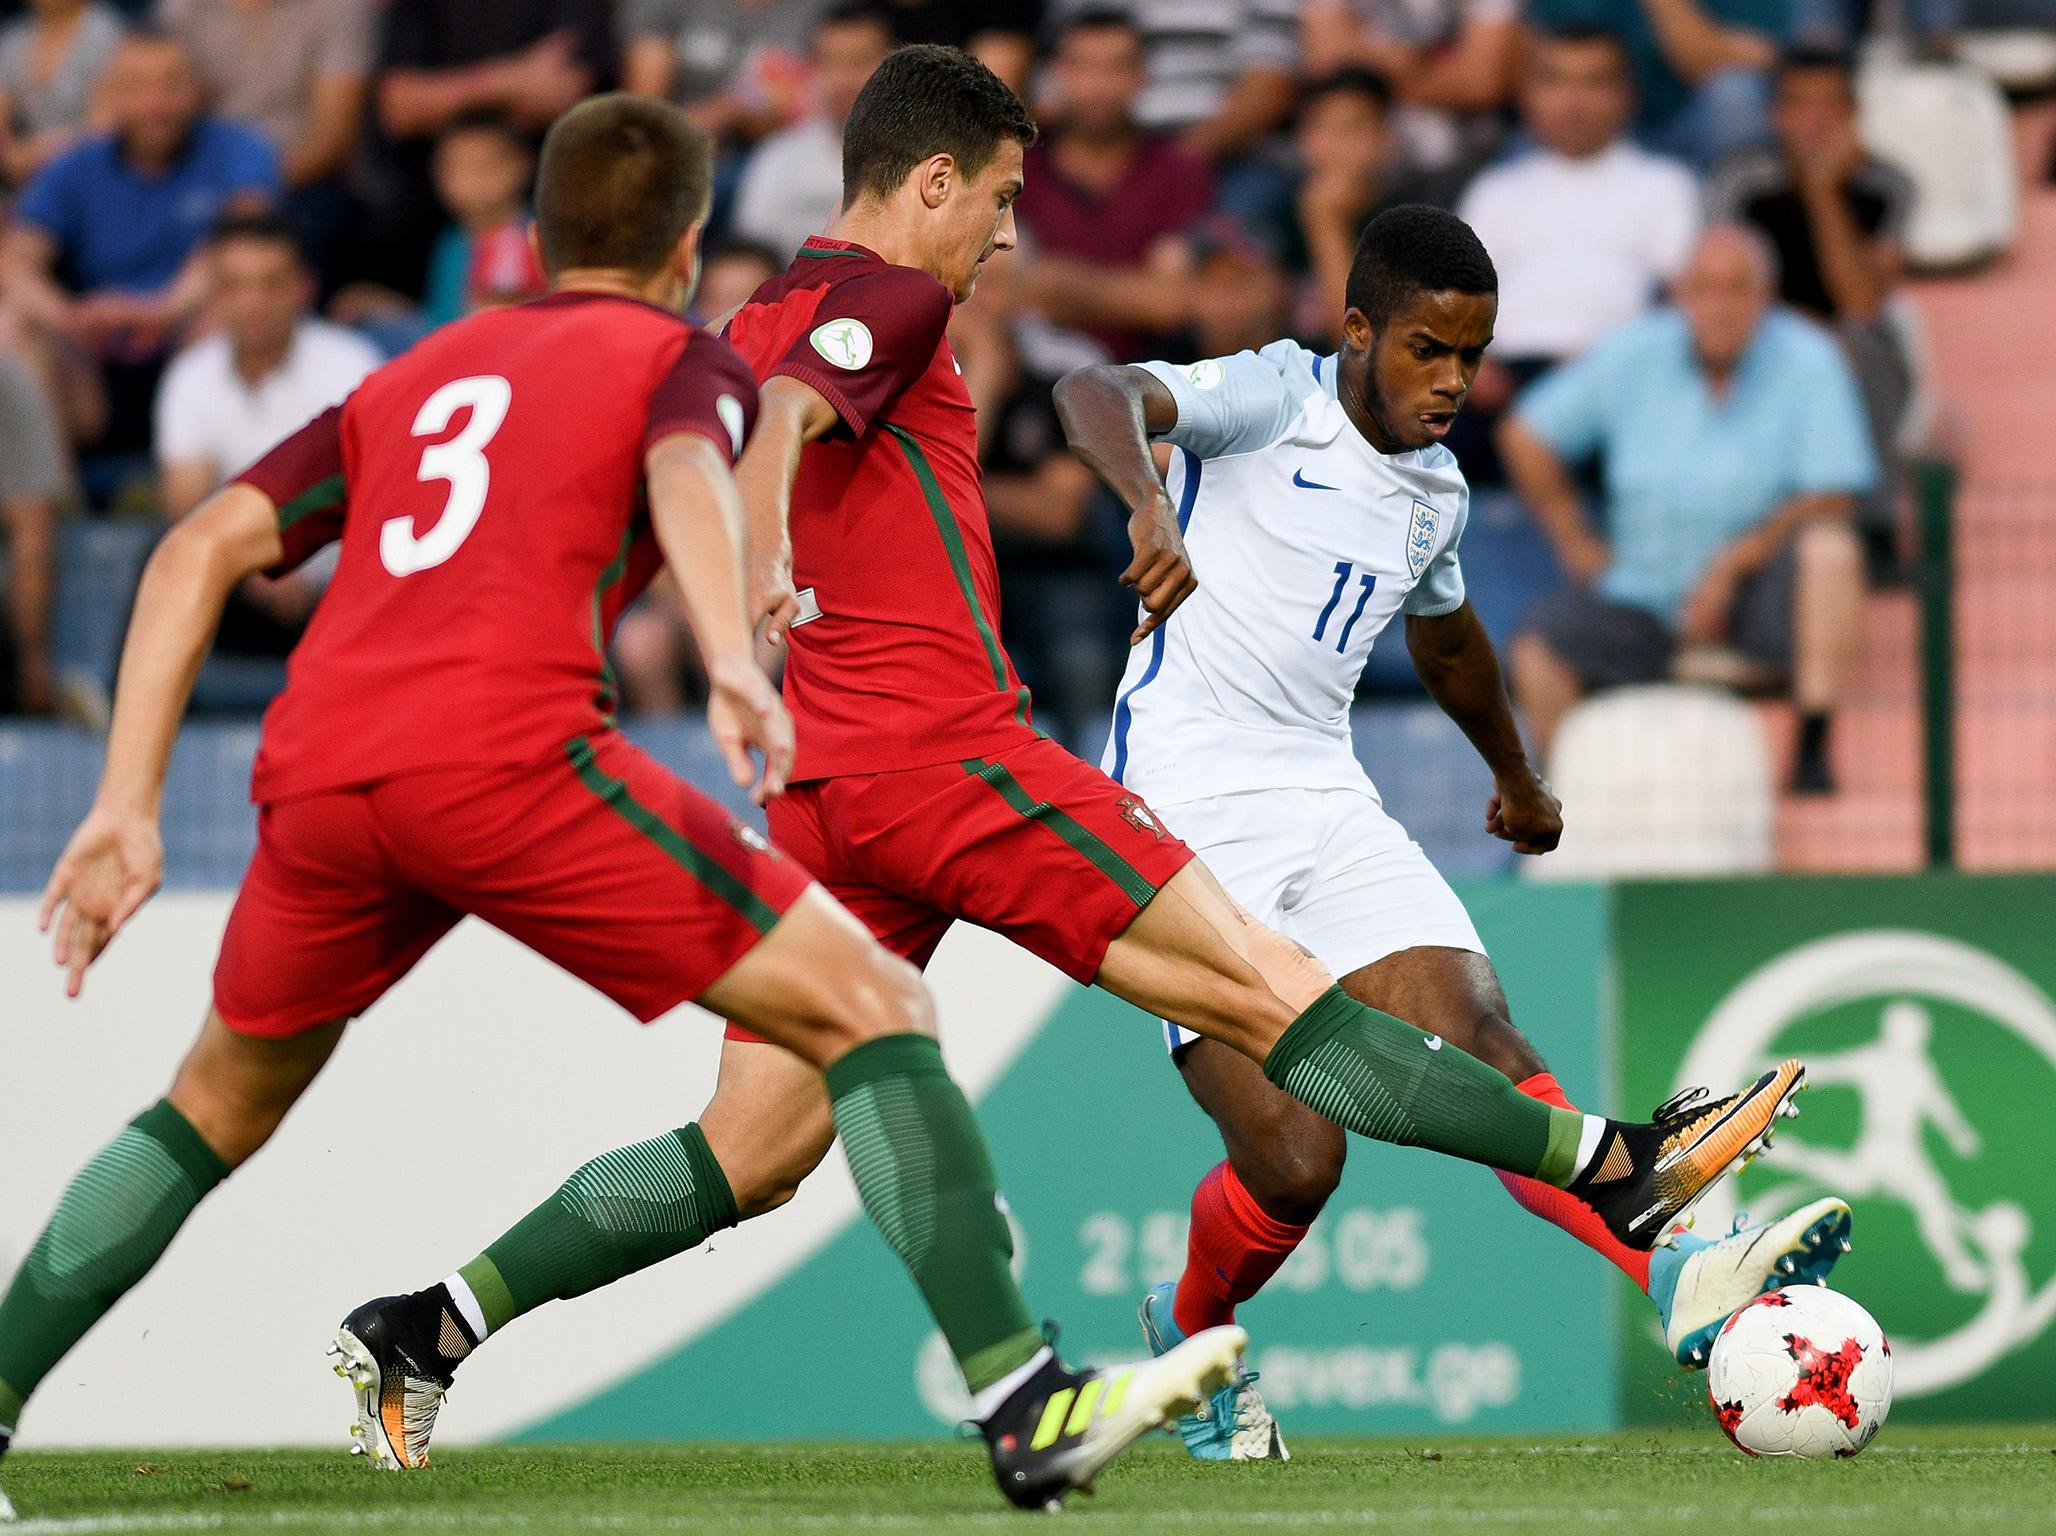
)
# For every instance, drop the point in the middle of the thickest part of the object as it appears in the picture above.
(1420, 537)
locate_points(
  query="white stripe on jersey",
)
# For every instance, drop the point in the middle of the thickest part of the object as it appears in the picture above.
(1306, 541)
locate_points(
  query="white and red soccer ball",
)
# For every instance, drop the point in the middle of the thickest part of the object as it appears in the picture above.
(1803, 1371)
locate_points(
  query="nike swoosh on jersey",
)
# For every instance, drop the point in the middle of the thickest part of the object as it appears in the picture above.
(1299, 479)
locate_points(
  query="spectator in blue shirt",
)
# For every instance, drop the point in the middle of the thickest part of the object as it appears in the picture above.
(1733, 447)
(99, 258)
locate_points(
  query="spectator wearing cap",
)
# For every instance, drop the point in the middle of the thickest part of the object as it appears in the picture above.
(738, 68)
(227, 400)
(1836, 216)
(1733, 449)
(1701, 67)
(51, 61)
(1241, 292)
(793, 182)
(32, 479)
(1107, 203)
(100, 256)
(1450, 63)
(438, 60)
(1584, 226)
(299, 71)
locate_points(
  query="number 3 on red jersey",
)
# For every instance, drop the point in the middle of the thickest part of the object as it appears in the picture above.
(461, 461)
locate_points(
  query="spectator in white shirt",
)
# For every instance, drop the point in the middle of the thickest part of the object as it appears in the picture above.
(1585, 228)
(227, 400)
(793, 182)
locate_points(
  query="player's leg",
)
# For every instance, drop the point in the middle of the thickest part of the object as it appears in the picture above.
(1193, 956)
(639, 885)
(317, 934)
(766, 1128)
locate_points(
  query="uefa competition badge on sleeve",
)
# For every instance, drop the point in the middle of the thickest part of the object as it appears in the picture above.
(845, 343)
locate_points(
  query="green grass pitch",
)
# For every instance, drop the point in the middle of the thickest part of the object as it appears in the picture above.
(1923, 1481)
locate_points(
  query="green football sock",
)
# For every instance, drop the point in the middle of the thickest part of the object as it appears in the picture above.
(926, 1179)
(622, 1212)
(1380, 1077)
(117, 1217)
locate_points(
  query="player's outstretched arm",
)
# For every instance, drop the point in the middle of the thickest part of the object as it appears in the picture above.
(698, 520)
(790, 415)
(1108, 415)
(115, 859)
(1455, 659)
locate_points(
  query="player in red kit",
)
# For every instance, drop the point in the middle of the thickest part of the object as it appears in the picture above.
(445, 747)
(922, 793)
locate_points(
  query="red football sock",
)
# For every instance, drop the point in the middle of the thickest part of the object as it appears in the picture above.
(1233, 1249)
(1573, 1215)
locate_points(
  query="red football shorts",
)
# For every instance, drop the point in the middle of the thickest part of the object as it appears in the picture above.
(600, 860)
(1034, 844)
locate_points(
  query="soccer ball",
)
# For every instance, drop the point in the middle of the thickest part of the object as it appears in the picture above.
(1803, 1372)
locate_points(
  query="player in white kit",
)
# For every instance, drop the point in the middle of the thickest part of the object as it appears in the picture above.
(1317, 504)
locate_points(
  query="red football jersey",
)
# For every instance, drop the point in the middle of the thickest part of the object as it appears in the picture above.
(903, 668)
(488, 490)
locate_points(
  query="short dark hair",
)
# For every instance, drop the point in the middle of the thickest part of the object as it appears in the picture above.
(851, 13)
(1807, 58)
(1415, 249)
(1580, 34)
(927, 100)
(261, 228)
(1350, 80)
(488, 120)
(1101, 18)
(622, 179)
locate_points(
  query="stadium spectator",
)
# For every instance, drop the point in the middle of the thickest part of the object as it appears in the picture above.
(737, 67)
(1585, 227)
(51, 61)
(32, 479)
(730, 274)
(1241, 292)
(1451, 62)
(1063, 615)
(441, 59)
(228, 399)
(1836, 216)
(297, 70)
(1107, 203)
(99, 258)
(1701, 67)
(1222, 75)
(1733, 448)
(1000, 34)
(793, 181)
(1350, 171)
(481, 257)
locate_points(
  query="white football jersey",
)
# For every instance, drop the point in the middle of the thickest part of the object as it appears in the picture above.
(1306, 541)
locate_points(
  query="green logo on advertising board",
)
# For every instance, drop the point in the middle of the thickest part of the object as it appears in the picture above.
(1932, 1064)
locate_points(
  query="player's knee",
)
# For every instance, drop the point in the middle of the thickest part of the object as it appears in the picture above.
(1295, 1167)
(881, 995)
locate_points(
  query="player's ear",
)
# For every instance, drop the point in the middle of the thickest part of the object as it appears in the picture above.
(535, 245)
(936, 176)
(685, 261)
(1356, 330)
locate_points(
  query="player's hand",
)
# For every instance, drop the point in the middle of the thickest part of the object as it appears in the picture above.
(1160, 573)
(1526, 813)
(745, 714)
(112, 865)
(773, 603)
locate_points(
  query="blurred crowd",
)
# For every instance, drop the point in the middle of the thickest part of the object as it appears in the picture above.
(220, 214)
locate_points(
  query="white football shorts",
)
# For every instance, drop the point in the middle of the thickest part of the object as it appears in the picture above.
(1326, 868)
